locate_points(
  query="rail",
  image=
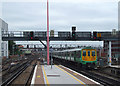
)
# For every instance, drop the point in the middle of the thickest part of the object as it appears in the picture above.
(31, 73)
(15, 75)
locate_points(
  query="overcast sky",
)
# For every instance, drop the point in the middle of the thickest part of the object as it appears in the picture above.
(86, 15)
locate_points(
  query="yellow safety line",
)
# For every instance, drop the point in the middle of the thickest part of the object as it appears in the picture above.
(70, 75)
(45, 76)
(38, 76)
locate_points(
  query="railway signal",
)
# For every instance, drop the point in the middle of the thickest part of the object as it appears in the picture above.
(31, 35)
(96, 35)
(73, 32)
(27, 46)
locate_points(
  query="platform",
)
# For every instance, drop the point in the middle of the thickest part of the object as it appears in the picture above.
(59, 74)
(115, 66)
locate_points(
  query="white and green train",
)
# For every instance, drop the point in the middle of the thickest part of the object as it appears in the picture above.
(84, 56)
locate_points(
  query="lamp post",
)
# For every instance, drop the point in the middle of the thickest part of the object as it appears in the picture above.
(48, 32)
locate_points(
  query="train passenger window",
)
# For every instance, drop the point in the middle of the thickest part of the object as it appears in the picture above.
(88, 53)
(80, 53)
(93, 53)
(77, 54)
(74, 54)
(84, 53)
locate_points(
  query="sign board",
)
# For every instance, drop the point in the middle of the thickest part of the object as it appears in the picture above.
(51, 33)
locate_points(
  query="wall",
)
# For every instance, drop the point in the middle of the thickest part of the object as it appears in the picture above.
(3, 44)
(0, 36)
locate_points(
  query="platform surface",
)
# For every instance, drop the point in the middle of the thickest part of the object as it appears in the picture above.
(115, 66)
(59, 74)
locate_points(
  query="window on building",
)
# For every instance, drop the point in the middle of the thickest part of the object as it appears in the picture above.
(2, 53)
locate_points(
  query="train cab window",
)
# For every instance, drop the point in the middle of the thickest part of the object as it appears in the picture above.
(88, 53)
(84, 53)
(93, 53)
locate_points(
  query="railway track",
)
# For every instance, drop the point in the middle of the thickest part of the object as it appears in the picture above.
(30, 77)
(11, 70)
(17, 73)
(25, 77)
(104, 80)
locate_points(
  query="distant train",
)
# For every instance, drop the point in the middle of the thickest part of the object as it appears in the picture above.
(83, 56)
(27, 52)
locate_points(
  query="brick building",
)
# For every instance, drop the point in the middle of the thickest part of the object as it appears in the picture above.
(115, 45)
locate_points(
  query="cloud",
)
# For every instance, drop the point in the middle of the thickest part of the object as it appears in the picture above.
(73, 1)
(85, 15)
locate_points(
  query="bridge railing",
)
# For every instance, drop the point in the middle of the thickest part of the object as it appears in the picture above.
(60, 34)
(12, 34)
(44, 34)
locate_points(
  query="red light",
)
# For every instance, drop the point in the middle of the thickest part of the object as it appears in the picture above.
(31, 37)
(94, 37)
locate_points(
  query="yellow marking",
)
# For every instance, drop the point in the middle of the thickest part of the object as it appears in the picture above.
(38, 76)
(45, 76)
(75, 73)
(70, 75)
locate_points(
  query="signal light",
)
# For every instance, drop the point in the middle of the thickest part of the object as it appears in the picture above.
(73, 32)
(31, 35)
(94, 35)
(73, 35)
(97, 35)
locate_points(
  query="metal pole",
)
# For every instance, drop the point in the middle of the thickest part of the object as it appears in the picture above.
(13, 49)
(110, 59)
(51, 50)
(48, 32)
(100, 52)
(51, 59)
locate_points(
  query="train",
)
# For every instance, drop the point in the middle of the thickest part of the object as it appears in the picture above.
(86, 56)
(27, 52)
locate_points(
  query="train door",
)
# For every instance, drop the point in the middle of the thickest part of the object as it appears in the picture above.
(77, 56)
(72, 55)
(89, 55)
(68, 55)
